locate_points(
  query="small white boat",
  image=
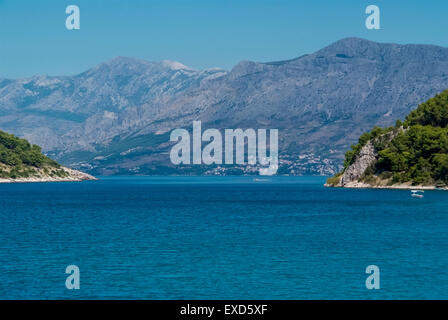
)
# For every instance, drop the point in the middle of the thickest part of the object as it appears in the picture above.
(416, 193)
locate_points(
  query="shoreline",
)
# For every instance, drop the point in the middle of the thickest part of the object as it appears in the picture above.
(73, 176)
(402, 186)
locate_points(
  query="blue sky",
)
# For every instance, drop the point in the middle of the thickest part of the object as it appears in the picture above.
(199, 33)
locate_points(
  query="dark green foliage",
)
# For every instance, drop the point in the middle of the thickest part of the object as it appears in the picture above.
(434, 112)
(420, 155)
(417, 150)
(21, 156)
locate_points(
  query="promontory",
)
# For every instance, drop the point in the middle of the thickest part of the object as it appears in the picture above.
(21, 161)
(412, 154)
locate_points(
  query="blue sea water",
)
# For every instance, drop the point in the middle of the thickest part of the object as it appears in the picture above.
(220, 238)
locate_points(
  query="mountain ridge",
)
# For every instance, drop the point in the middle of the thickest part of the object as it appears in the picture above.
(319, 102)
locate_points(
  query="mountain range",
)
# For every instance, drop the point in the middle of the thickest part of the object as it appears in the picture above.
(116, 117)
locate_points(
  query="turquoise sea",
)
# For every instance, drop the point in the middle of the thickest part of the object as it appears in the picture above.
(220, 238)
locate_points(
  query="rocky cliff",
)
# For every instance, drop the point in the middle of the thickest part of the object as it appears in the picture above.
(354, 172)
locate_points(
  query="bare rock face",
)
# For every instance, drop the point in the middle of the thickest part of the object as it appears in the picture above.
(107, 120)
(76, 175)
(366, 157)
(40, 176)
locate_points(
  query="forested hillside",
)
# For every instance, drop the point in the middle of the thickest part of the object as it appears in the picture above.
(414, 151)
(20, 159)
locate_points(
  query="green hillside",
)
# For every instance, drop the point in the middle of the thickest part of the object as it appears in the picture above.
(415, 150)
(20, 159)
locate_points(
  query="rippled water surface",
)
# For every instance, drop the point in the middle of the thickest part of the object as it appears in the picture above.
(220, 238)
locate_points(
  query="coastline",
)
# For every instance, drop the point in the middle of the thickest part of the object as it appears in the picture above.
(401, 186)
(73, 176)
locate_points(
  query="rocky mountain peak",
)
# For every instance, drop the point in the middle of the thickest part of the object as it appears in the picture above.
(320, 102)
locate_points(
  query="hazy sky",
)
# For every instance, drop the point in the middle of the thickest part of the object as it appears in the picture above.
(199, 33)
